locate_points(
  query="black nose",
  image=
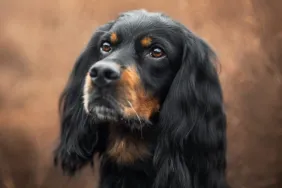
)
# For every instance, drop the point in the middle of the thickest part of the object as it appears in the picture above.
(104, 73)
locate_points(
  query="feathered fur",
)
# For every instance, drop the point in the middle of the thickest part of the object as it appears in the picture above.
(186, 136)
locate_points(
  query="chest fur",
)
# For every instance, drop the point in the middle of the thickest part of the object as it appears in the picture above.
(126, 148)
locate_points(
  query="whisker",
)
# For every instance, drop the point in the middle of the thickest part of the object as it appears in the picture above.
(138, 117)
(134, 111)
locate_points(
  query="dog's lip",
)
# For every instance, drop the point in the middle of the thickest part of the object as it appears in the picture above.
(105, 103)
(103, 112)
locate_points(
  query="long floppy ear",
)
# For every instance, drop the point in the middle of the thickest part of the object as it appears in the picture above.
(79, 135)
(192, 144)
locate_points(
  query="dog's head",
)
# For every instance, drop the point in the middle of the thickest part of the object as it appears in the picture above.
(130, 66)
(146, 69)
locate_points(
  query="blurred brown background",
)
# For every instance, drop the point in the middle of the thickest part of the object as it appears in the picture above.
(39, 41)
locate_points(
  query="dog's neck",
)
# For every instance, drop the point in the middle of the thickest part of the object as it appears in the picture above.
(126, 146)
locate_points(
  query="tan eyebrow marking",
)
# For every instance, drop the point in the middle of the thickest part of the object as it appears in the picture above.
(146, 42)
(114, 38)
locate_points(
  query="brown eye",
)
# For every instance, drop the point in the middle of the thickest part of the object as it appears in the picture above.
(106, 47)
(157, 53)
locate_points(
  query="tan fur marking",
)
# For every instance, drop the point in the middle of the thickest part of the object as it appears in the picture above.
(114, 38)
(127, 149)
(88, 88)
(140, 102)
(146, 42)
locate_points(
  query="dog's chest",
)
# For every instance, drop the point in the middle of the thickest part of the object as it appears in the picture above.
(126, 148)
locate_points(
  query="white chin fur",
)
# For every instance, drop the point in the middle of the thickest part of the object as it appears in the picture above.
(101, 112)
(104, 113)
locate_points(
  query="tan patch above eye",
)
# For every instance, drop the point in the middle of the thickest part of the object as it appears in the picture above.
(114, 38)
(146, 41)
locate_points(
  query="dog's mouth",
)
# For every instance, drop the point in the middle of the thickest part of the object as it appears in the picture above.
(108, 109)
(104, 113)
(104, 108)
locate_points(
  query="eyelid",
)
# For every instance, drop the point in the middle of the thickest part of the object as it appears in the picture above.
(106, 38)
(105, 41)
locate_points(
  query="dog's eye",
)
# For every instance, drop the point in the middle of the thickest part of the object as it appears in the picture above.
(106, 47)
(157, 53)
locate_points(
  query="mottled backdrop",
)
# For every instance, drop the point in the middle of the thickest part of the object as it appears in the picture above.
(39, 41)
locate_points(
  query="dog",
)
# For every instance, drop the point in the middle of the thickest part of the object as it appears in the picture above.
(145, 95)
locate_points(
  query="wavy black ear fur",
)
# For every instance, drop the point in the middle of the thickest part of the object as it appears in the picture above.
(79, 135)
(192, 145)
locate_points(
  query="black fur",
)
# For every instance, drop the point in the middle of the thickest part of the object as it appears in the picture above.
(187, 137)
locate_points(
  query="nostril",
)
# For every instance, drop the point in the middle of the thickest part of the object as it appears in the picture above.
(93, 73)
(111, 74)
(104, 73)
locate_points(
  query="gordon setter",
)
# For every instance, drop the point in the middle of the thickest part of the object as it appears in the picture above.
(145, 95)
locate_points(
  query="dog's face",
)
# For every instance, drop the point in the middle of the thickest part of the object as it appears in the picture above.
(135, 62)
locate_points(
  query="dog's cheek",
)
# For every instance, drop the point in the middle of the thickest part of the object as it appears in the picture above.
(147, 106)
(135, 99)
(128, 85)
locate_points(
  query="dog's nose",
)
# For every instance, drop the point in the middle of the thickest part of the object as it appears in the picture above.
(104, 73)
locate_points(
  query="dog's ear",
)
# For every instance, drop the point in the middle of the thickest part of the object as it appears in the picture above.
(192, 144)
(79, 135)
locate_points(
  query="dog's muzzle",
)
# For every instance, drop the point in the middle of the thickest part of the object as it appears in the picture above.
(100, 101)
(104, 73)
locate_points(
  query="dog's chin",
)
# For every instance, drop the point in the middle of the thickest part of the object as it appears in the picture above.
(104, 114)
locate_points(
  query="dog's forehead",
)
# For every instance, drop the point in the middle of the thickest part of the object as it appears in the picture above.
(135, 22)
